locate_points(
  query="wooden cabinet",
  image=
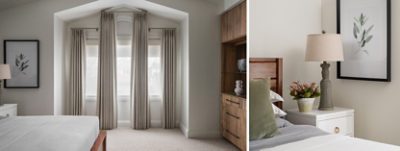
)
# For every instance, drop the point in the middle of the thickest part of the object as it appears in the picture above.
(234, 120)
(233, 23)
(233, 48)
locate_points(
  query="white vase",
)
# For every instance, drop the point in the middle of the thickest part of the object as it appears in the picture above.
(239, 87)
(242, 65)
(306, 104)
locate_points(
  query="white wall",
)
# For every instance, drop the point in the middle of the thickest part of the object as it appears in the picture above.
(201, 70)
(376, 104)
(202, 104)
(279, 28)
(34, 20)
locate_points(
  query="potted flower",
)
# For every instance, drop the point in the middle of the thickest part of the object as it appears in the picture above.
(304, 94)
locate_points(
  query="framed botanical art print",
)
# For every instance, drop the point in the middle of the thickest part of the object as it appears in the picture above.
(365, 29)
(23, 58)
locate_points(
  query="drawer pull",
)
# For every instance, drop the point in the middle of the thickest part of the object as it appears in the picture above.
(337, 130)
(227, 113)
(233, 102)
(230, 133)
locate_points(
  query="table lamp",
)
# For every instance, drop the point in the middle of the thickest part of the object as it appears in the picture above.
(324, 48)
(4, 74)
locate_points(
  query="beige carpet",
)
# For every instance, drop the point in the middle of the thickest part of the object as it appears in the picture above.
(126, 139)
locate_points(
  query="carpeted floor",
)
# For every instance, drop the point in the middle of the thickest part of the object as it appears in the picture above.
(126, 139)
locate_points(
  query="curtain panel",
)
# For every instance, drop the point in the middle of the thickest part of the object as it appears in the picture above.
(140, 112)
(168, 48)
(75, 96)
(106, 85)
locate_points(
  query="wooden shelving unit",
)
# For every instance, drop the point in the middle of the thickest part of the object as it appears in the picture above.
(233, 48)
(231, 53)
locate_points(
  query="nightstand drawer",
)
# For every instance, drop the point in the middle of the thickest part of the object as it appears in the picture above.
(343, 125)
(336, 121)
(8, 112)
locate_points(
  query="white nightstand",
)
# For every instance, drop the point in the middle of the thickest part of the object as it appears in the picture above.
(337, 121)
(8, 110)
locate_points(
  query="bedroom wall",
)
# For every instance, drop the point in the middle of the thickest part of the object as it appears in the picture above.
(285, 36)
(34, 20)
(200, 117)
(200, 106)
(376, 104)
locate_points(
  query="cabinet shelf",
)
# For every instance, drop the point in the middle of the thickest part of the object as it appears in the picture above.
(239, 73)
(233, 94)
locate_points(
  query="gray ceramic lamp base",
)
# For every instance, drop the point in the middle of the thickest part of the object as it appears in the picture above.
(325, 102)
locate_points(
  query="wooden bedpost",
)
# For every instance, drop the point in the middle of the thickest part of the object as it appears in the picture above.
(101, 140)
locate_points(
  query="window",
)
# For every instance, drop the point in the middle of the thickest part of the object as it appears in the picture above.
(123, 70)
(91, 70)
(154, 71)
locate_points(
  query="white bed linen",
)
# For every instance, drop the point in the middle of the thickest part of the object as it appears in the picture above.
(48, 133)
(334, 143)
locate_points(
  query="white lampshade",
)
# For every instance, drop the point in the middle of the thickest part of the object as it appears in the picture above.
(5, 71)
(324, 47)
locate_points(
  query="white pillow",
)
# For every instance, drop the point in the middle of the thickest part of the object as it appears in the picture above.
(275, 97)
(278, 112)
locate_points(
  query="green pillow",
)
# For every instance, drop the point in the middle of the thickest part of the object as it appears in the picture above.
(262, 118)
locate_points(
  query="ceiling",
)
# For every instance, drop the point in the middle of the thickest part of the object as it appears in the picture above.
(4, 4)
(97, 6)
(217, 2)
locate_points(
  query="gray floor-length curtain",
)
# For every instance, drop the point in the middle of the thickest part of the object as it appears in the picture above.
(168, 48)
(75, 101)
(106, 85)
(140, 116)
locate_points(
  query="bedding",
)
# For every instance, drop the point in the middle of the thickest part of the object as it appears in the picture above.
(334, 143)
(278, 112)
(287, 133)
(48, 133)
(275, 97)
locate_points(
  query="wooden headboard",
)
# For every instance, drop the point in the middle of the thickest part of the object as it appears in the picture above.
(268, 68)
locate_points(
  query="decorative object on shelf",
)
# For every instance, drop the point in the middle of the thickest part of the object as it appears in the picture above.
(242, 65)
(23, 58)
(365, 29)
(4, 74)
(325, 48)
(304, 94)
(239, 87)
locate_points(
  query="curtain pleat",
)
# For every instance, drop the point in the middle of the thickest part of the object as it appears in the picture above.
(75, 103)
(168, 48)
(140, 111)
(106, 85)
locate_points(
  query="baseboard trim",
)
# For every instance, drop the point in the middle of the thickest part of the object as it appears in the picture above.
(184, 130)
(203, 134)
(155, 123)
(124, 123)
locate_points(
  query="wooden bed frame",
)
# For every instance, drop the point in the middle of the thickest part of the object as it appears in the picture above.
(268, 68)
(101, 141)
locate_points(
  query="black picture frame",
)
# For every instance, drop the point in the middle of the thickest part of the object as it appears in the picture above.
(388, 53)
(37, 84)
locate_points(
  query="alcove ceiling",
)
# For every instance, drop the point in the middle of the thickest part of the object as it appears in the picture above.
(97, 6)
